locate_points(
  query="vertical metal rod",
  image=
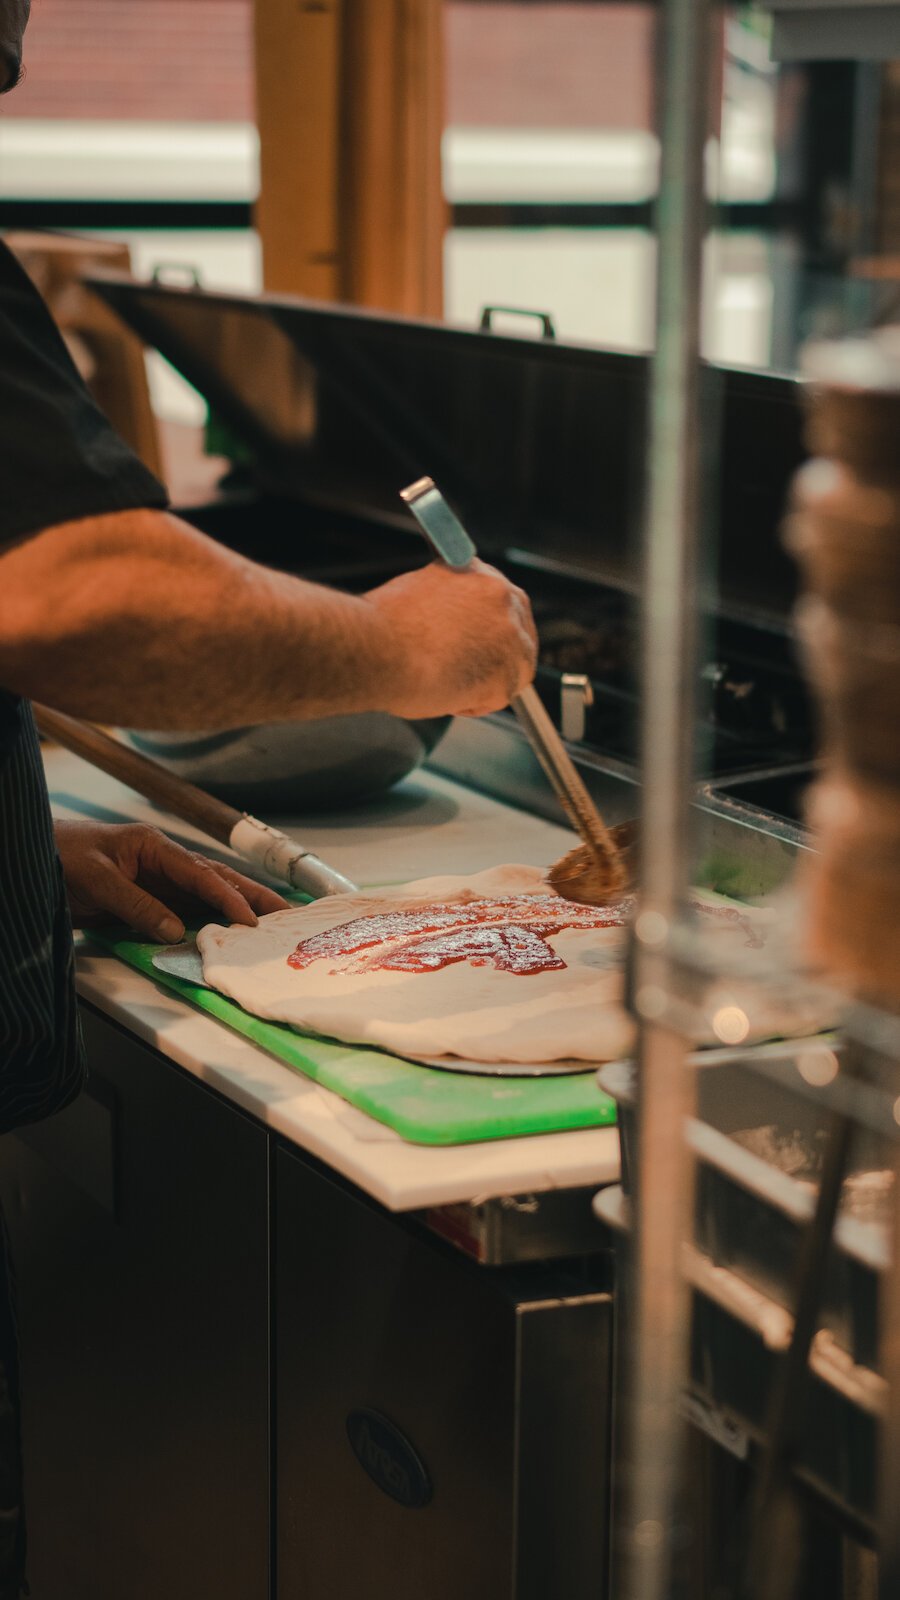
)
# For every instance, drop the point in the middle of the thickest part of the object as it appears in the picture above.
(673, 499)
(889, 1455)
(669, 617)
(774, 1546)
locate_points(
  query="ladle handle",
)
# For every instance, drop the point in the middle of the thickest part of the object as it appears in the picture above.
(452, 545)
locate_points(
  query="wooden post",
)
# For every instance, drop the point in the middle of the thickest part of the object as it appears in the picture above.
(350, 113)
(393, 213)
(298, 104)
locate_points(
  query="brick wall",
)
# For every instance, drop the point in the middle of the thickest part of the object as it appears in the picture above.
(549, 66)
(155, 59)
(559, 65)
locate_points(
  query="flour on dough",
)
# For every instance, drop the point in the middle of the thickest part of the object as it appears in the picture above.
(566, 1007)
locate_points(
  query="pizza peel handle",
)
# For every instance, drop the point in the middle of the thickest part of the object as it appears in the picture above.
(281, 857)
(452, 545)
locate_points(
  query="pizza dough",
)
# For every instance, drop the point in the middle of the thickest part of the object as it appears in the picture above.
(492, 967)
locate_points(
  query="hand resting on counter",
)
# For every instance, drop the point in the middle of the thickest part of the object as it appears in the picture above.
(135, 874)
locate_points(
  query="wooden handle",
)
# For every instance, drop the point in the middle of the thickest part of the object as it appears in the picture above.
(153, 782)
(570, 789)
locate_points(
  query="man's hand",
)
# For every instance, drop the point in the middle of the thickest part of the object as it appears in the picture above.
(461, 642)
(136, 875)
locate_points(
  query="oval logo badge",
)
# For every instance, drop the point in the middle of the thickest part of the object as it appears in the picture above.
(388, 1458)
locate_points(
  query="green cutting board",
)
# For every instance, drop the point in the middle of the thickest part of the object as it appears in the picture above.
(424, 1104)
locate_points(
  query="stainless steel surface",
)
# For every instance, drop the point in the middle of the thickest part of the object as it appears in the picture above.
(755, 1197)
(182, 960)
(738, 1333)
(499, 1380)
(509, 1230)
(740, 849)
(441, 527)
(775, 1543)
(668, 655)
(757, 1141)
(852, 30)
(576, 693)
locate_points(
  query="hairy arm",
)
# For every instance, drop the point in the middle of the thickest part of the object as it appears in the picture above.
(135, 617)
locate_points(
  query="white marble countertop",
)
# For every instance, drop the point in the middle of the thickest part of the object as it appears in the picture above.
(426, 825)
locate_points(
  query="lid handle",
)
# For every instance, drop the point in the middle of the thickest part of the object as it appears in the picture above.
(576, 694)
(176, 274)
(543, 317)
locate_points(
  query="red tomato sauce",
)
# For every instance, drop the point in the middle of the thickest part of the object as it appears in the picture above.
(509, 934)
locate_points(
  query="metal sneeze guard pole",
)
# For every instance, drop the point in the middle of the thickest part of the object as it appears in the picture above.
(669, 620)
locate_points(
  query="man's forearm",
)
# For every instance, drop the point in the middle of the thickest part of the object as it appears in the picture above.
(138, 618)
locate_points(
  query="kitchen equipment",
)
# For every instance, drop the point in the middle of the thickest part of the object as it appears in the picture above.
(845, 532)
(760, 1141)
(183, 960)
(279, 857)
(597, 872)
(427, 1105)
(293, 768)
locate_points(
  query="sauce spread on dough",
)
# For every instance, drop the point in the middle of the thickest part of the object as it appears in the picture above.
(508, 933)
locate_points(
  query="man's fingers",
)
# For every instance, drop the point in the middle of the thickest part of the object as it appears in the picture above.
(262, 899)
(122, 898)
(508, 680)
(525, 618)
(525, 666)
(196, 876)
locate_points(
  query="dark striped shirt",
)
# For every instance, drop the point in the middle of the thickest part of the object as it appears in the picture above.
(59, 460)
(40, 1045)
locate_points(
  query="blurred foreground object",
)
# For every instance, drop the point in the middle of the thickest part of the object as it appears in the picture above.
(845, 532)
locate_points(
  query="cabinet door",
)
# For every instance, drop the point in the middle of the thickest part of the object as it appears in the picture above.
(139, 1222)
(373, 1319)
(442, 1429)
